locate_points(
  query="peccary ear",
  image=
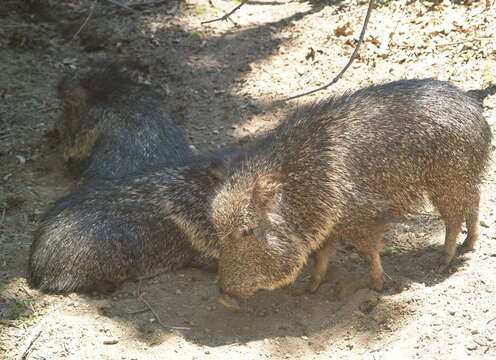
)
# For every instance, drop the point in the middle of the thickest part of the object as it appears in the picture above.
(75, 101)
(71, 93)
(266, 190)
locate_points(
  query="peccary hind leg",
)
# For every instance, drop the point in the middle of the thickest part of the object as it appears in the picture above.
(455, 206)
(453, 228)
(472, 223)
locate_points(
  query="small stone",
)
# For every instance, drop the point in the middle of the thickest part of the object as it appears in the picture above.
(178, 292)
(261, 313)
(483, 223)
(110, 342)
(354, 257)
(472, 346)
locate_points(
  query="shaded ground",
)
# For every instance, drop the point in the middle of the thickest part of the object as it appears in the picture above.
(218, 80)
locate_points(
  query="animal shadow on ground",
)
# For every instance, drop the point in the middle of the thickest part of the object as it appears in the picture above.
(186, 301)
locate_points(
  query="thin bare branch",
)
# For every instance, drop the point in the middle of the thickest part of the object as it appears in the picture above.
(158, 318)
(93, 6)
(226, 16)
(353, 56)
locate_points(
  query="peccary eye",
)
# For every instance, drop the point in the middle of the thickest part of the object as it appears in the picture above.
(248, 232)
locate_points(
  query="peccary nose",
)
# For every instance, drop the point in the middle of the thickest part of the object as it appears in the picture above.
(229, 302)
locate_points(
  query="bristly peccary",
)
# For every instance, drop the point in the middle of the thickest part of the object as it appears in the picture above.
(111, 230)
(128, 228)
(339, 171)
(113, 126)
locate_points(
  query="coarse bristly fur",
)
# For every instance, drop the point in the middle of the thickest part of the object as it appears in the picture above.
(340, 170)
(115, 230)
(113, 126)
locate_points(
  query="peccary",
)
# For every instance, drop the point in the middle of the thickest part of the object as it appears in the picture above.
(113, 126)
(340, 170)
(114, 230)
(111, 230)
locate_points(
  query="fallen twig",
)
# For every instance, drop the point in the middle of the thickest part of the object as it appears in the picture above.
(34, 337)
(138, 311)
(353, 56)
(116, 3)
(466, 41)
(86, 20)
(226, 16)
(147, 2)
(158, 318)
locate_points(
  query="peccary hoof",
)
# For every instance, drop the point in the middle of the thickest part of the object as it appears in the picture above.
(313, 286)
(229, 302)
(444, 264)
(467, 246)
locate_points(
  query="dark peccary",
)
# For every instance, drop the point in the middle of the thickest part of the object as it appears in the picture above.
(111, 230)
(340, 170)
(113, 126)
(114, 230)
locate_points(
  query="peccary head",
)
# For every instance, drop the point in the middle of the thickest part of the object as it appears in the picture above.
(257, 248)
(91, 103)
(79, 92)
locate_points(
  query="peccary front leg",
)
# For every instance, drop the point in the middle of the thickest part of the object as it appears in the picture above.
(369, 250)
(375, 270)
(318, 268)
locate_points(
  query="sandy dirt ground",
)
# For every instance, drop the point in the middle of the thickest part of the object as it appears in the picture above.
(219, 81)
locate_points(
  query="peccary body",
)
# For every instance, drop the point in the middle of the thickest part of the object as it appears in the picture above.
(113, 126)
(114, 230)
(110, 230)
(339, 171)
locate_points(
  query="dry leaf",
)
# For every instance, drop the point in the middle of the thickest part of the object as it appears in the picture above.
(343, 30)
(310, 55)
(375, 41)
